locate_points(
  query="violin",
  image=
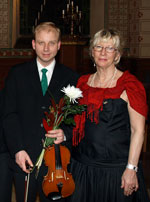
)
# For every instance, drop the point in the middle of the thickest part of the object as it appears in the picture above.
(58, 183)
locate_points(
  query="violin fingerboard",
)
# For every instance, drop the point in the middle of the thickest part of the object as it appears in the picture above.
(58, 162)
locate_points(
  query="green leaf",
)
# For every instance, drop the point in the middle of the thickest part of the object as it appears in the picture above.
(49, 141)
(69, 121)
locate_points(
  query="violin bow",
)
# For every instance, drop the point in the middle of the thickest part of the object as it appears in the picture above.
(27, 178)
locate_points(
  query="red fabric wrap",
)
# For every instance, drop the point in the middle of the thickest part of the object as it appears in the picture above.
(93, 98)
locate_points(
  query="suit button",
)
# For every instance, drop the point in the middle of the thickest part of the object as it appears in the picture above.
(43, 107)
(41, 125)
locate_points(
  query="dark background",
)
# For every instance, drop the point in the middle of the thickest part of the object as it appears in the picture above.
(51, 12)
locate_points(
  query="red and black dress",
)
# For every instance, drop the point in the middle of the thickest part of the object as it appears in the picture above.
(101, 141)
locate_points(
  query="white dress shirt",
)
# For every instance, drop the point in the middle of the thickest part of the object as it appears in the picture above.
(50, 69)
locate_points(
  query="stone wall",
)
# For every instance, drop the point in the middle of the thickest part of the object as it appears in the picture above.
(5, 39)
(132, 18)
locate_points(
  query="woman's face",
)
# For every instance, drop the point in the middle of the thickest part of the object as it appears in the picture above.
(104, 54)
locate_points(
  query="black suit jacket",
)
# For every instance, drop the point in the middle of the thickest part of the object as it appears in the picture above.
(3, 146)
(24, 105)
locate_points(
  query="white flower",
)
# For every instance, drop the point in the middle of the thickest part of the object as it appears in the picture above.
(72, 92)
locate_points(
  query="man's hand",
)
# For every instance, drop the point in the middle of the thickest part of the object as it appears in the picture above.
(58, 134)
(22, 159)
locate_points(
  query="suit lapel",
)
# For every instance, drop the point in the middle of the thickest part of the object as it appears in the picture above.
(35, 80)
(56, 82)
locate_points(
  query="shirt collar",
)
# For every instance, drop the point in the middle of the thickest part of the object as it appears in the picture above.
(50, 67)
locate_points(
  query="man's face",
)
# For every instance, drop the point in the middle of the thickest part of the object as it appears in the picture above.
(46, 46)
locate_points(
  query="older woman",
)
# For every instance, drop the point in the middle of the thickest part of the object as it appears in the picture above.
(108, 137)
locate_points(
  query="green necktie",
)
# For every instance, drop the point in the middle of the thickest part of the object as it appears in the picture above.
(44, 83)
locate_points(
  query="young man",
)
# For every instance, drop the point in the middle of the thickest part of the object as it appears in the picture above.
(25, 104)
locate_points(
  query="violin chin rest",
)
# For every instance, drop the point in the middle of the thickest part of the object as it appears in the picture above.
(54, 196)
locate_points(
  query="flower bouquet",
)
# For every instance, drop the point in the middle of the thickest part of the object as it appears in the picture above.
(58, 113)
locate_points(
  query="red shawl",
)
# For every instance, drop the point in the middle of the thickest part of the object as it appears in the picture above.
(93, 98)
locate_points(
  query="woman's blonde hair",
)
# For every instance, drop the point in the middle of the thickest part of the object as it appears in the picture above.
(105, 35)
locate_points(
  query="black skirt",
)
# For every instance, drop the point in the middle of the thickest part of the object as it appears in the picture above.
(103, 184)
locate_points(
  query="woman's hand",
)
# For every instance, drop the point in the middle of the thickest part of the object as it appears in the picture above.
(58, 134)
(129, 182)
(137, 122)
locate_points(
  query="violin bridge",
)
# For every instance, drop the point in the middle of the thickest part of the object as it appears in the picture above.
(65, 175)
(52, 176)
